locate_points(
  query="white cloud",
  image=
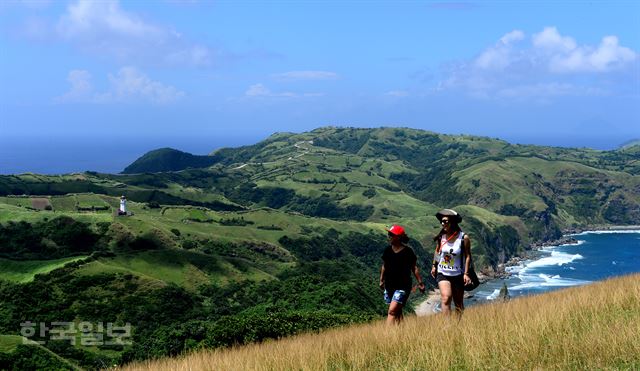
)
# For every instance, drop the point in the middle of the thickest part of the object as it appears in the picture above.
(515, 35)
(259, 90)
(548, 64)
(607, 56)
(563, 55)
(500, 55)
(397, 93)
(81, 88)
(127, 85)
(87, 19)
(306, 75)
(104, 28)
(551, 40)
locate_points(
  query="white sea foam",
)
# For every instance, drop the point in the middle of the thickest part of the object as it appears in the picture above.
(515, 269)
(625, 231)
(533, 281)
(556, 258)
(494, 294)
(551, 248)
(529, 279)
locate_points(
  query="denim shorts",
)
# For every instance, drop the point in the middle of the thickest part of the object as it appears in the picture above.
(399, 296)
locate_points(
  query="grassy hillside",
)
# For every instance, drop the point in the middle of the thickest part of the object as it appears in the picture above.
(211, 254)
(18, 353)
(24, 271)
(168, 159)
(590, 327)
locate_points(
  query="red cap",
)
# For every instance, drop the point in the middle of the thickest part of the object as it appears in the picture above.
(396, 229)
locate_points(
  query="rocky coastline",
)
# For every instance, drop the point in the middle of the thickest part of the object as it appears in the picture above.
(532, 252)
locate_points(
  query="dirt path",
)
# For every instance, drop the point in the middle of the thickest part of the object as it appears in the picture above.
(428, 307)
(297, 145)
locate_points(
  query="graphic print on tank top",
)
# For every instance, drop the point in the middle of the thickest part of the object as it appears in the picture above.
(451, 256)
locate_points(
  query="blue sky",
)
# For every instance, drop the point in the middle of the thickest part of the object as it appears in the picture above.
(544, 72)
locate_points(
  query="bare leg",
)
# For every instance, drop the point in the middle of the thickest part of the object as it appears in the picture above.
(394, 315)
(445, 295)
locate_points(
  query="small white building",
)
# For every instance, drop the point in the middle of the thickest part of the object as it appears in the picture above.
(123, 206)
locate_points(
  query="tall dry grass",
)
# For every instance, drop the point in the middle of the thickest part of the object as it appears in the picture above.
(590, 327)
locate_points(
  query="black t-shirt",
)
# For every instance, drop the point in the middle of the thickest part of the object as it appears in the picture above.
(398, 267)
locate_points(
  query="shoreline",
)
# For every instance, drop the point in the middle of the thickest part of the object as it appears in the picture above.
(533, 252)
(601, 228)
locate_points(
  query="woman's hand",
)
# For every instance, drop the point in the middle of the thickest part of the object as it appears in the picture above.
(433, 272)
(467, 279)
(382, 284)
(422, 287)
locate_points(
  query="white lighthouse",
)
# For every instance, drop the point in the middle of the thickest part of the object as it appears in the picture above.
(123, 206)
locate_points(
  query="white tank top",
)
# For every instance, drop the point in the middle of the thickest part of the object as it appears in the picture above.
(451, 256)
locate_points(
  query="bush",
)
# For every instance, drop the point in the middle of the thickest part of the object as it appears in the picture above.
(369, 193)
(189, 244)
(49, 239)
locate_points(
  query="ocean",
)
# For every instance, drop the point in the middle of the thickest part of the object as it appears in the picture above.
(104, 154)
(598, 255)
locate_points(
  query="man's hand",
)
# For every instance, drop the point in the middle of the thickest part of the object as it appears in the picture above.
(422, 287)
(433, 272)
(382, 284)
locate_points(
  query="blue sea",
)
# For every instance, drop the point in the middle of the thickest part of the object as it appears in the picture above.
(598, 255)
(104, 154)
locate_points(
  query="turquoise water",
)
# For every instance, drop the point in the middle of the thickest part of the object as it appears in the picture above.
(597, 256)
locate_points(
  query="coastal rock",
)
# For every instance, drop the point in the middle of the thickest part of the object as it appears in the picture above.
(565, 240)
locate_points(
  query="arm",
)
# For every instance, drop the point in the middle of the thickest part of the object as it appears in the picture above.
(436, 260)
(416, 272)
(382, 277)
(467, 261)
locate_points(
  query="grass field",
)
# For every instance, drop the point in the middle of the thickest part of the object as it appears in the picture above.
(184, 268)
(24, 271)
(583, 328)
(9, 342)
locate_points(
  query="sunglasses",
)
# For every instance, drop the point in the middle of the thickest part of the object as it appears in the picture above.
(445, 221)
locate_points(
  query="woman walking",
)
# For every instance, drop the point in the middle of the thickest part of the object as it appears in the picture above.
(452, 260)
(399, 262)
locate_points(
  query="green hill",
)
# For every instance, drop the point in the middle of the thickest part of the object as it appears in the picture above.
(285, 235)
(25, 271)
(630, 143)
(19, 353)
(168, 159)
